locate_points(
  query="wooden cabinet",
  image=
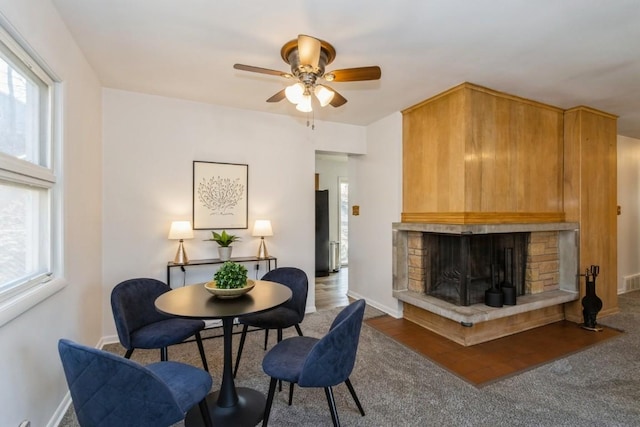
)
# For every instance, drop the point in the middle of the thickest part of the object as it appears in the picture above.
(475, 155)
(590, 189)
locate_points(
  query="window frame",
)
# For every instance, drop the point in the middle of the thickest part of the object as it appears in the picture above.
(23, 295)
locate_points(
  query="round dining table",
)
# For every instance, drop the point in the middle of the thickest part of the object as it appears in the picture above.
(230, 405)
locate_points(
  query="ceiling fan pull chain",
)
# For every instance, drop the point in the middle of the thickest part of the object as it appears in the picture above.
(313, 120)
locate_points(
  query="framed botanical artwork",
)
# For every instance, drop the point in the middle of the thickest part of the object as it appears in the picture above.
(220, 193)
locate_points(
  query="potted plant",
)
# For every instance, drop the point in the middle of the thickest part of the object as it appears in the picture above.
(224, 240)
(231, 276)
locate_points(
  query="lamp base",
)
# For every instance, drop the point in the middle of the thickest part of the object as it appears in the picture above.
(181, 255)
(262, 250)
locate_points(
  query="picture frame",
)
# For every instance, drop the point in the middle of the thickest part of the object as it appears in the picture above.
(220, 195)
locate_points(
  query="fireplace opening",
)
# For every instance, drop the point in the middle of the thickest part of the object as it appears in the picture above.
(460, 268)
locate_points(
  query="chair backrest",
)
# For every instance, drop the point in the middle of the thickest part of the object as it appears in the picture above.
(109, 390)
(133, 306)
(296, 280)
(331, 359)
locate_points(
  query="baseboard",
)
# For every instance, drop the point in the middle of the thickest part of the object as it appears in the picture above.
(390, 311)
(60, 411)
(108, 339)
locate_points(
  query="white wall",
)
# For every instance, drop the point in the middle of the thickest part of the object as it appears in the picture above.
(628, 152)
(375, 184)
(150, 143)
(31, 376)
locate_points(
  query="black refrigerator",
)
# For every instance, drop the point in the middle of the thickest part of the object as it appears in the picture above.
(322, 233)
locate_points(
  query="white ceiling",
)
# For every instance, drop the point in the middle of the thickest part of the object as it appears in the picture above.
(561, 52)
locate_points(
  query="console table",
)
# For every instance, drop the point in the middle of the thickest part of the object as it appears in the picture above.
(213, 261)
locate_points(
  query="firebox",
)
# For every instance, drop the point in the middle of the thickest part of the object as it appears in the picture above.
(460, 268)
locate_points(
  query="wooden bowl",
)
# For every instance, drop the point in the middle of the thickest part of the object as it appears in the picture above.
(229, 293)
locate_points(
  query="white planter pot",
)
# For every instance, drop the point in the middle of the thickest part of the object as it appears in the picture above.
(224, 252)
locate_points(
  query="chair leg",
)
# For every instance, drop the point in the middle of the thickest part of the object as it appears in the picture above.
(353, 394)
(290, 393)
(267, 408)
(332, 406)
(128, 354)
(164, 354)
(279, 339)
(240, 347)
(266, 338)
(201, 350)
(298, 329)
(204, 411)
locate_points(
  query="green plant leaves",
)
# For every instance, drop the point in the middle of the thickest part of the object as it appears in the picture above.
(223, 239)
(231, 276)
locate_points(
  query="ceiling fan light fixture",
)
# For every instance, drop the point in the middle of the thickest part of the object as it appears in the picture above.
(294, 93)
(308, 56)
(324, 95)
(305, 104)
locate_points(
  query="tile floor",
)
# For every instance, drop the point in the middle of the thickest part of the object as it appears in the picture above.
(484, 363)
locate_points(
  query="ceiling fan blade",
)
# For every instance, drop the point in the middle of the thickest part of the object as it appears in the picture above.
(338, 99)
(253, 69)
(308, 50)
(354, 74)
(277, 97)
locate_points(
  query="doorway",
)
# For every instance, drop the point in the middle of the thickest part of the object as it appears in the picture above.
(332, 177)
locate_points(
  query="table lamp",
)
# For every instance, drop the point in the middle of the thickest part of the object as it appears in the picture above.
(262, 229)
(181, 230)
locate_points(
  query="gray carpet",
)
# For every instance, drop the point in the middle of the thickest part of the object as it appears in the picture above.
(599, 386)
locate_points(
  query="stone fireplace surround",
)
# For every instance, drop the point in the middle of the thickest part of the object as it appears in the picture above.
(545, 293)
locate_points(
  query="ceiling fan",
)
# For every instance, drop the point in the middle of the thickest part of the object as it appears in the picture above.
(308, 58)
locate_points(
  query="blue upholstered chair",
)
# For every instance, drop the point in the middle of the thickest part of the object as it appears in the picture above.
(285, 316)
(140, 325)
(110, 391)
(312, 362)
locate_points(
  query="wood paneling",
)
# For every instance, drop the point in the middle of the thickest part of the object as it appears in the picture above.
(474, 150)
(482, 217)
(590, 189)
(433, 155)
(484, 331)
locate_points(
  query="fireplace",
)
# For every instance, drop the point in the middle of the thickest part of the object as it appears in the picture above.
(461, 268)
(442, 271)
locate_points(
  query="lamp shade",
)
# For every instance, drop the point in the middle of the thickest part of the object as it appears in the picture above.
(305, 104)
(294, 93)
(262, 228)
(180, 230)
(324, 95)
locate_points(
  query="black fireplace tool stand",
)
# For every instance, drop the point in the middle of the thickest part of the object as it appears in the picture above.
(591, 303)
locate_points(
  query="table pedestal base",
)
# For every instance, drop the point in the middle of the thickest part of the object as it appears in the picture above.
(248, 412)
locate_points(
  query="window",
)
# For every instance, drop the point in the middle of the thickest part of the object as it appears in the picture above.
(343, 185)
(27, 175)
